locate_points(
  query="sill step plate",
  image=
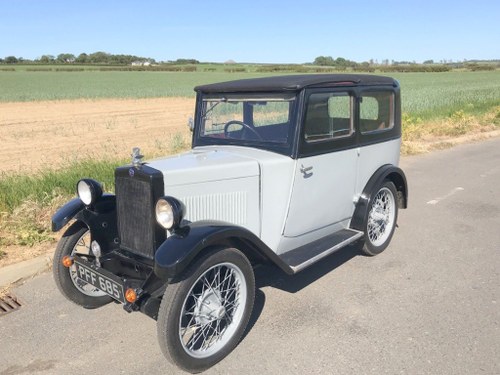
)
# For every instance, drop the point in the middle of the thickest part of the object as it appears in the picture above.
(304, 256)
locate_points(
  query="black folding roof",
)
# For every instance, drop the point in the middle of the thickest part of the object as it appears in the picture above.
(295, 82)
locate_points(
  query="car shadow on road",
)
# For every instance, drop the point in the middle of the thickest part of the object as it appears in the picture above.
(270, 275)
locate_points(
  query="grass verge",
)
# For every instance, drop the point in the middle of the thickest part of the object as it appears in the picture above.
(27, 202)
(426, 135)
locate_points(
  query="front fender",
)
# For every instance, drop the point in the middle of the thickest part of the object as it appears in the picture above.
(74, 208)
(66, 213)
(179, 250)
(99, 218)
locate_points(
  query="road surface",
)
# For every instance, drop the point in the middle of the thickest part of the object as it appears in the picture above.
(430, 304)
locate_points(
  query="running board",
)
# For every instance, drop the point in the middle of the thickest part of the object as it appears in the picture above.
(304, 256)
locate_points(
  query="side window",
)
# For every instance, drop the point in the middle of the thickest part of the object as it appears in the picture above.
(328, 116)
(376, 112)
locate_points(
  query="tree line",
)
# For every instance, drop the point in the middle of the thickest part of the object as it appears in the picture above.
(385, 65)
(82, 58)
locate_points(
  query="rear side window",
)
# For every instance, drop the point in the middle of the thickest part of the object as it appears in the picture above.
(376, 112)
(328, 116)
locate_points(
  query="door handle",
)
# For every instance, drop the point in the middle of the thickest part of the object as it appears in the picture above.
(306, 171)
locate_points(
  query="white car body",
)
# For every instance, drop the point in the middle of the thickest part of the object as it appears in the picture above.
(268, 194)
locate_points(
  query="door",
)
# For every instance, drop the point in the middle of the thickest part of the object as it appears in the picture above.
(325, 174)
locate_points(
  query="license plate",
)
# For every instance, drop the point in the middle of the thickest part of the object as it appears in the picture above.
(102, 282)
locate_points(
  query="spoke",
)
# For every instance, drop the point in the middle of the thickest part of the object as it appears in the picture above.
(229, 295)
(190, 322)
(230, 286)
(217, 278)
(215, 293)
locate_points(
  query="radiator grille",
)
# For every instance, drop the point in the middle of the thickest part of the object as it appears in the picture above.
(134, 200)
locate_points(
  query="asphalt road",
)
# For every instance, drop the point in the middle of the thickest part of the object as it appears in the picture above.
(430, 304)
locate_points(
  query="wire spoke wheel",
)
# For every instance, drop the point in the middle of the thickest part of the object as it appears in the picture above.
(381, 219)
(212, 310)
(76, 241)
(203, 316)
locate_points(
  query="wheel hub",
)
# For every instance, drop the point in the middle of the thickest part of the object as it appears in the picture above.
(209, 307)
(379, 215)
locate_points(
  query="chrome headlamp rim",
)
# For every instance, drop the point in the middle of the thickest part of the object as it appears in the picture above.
(88, 190)
(169, 212)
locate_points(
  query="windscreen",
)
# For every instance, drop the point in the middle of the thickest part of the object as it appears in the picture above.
(247, 118)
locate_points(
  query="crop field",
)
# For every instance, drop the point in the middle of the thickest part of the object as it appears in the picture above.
(34, 86)
(425, 95)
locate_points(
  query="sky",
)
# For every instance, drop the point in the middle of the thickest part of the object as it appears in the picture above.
(254, 31)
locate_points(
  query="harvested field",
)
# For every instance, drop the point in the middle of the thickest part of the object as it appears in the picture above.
(34, 135)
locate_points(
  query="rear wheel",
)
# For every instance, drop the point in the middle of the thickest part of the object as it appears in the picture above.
(203, 316)
(381, 220)
(76, 240)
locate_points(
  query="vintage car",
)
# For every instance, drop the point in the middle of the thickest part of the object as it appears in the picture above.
(283, 170)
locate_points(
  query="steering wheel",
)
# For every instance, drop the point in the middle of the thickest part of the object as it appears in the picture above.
(251, 128)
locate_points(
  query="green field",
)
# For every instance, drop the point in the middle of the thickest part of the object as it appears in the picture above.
(426, 95)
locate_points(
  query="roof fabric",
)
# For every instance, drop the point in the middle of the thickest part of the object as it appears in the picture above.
(294, 82)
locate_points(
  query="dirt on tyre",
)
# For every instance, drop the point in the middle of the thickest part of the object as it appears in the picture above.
(381, 220)
(76, 240)
(204, 314)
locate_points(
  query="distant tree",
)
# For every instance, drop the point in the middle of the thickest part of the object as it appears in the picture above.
(47, 59)
(99, 58)
(11, 60)
(82, 58)
(340, 61)
(324, 61)
(186, 61)
(428, 62)
(65, 58)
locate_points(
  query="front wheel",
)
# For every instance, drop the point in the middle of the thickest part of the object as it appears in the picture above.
(381, 220)
(203, 316)
(76, 240)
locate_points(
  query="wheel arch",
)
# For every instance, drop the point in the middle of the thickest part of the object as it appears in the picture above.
(387, 172)
(75, 209)
(188, 243)
(100, 219)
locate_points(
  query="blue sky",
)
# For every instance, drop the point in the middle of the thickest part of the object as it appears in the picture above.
(254, 31)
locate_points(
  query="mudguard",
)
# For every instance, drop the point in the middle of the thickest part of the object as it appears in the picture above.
(99, 218)
(66, 213)
(389, 172)
(179, 250)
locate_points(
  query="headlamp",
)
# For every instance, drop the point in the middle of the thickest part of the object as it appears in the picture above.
(169, 212)
(89, 191)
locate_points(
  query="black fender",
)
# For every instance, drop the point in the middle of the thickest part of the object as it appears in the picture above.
(386, 172)
(179, 250)
(100, 218)
(66, 213)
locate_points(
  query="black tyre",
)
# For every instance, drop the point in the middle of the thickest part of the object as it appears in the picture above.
(204, 314)
(76, 240)
(381, 219)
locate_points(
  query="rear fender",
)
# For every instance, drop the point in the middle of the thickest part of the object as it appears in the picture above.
(386, 172)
